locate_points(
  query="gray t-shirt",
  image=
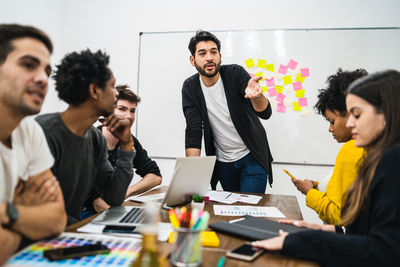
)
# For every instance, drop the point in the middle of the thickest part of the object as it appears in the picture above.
(81, 163)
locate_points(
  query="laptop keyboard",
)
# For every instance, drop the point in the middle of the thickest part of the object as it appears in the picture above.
(135, 215)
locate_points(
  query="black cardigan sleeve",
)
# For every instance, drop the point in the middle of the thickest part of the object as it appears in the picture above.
(192, 112)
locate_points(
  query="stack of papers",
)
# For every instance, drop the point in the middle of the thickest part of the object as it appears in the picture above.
(229, 197)
(146, 198)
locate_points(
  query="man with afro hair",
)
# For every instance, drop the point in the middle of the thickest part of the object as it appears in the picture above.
(86, 83)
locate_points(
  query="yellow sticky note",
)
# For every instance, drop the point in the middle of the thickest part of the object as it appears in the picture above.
(249, 63)
(287, 80)
(279, 88)
(300, 93)
(208, 238)
(261, 63)
(270, 67)
(265, 89)
(296, 106)
(299, 78)
(259, 74)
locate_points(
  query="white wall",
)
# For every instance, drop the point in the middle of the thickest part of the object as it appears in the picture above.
(114, 25)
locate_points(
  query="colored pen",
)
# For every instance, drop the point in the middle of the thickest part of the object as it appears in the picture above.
(221, 262)
(183, 216)
(193, 217)
(288, 173)
(173, 218)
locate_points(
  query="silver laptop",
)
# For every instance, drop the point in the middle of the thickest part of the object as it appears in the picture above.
(191, 176)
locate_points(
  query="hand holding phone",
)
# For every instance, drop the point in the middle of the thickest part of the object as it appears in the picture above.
(245, 252)
(75, 252)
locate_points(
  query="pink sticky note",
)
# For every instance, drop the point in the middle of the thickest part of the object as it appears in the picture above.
(282, 69)
(252, 75)
(292, 64)
(281, 107)
(303, 101)
(270, 83)
(272, 92)
(305, 72)
(297, 86)
(280, 98)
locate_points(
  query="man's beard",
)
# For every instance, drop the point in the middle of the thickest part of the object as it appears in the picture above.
(203, 72)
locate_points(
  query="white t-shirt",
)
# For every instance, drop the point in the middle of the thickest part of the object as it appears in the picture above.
(229, 145)
(29, 155)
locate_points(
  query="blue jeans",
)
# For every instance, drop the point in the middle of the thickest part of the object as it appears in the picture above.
(244, 175)
(86, 213)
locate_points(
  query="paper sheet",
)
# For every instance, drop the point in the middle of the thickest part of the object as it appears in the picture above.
(229, 197)
(221, 196)
(256, 211)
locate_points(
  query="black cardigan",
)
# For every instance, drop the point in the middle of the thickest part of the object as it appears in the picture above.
(244, 117)
(373, 239)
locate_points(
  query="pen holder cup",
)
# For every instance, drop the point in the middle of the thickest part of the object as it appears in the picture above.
(186, 248)
(197, 205)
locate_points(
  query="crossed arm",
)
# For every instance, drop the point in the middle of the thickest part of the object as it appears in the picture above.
(41, 211)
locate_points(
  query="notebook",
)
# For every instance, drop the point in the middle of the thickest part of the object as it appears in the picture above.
(191, 176)
(253, 228)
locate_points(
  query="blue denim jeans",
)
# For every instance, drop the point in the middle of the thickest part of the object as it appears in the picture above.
(86, 213)
(244, 175)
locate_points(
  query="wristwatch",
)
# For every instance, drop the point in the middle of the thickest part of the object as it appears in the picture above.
(12, 213)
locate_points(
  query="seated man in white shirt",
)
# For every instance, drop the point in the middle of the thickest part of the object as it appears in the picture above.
(31, 202)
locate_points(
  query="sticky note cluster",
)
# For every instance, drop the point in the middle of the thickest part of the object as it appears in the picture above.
(282, 83)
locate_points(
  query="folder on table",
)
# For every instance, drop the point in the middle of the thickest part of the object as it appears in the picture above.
(253, 228)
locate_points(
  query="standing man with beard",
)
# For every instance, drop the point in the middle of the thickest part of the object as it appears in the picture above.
(86, 83)
(226, 103)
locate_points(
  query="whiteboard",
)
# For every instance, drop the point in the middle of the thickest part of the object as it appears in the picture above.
(294, 136)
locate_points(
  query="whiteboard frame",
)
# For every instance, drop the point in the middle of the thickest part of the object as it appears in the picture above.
(244, 30)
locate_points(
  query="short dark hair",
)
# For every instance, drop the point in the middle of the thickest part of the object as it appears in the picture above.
(126, 94)
(10, 32)
(334, 97)
(202, 36)
(77, 71)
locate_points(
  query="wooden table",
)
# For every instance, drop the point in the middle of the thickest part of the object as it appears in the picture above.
(286, 204)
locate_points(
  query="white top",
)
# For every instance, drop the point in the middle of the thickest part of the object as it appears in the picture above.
(28, 156)
(228, 143)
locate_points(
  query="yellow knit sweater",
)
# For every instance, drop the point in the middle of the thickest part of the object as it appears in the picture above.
(328, 204)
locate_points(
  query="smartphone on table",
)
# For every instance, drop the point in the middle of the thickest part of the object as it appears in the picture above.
(245, 252)
(120, 229)
(75, 252)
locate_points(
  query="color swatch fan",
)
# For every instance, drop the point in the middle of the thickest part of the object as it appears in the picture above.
(123, 251)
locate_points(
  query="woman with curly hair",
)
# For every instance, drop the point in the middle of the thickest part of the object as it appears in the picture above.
(332, 105)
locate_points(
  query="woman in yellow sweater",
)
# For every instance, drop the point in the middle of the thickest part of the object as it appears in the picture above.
(332, 105)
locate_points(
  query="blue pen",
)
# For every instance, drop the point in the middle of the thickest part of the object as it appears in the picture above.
(197, 224)
(221, 262)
